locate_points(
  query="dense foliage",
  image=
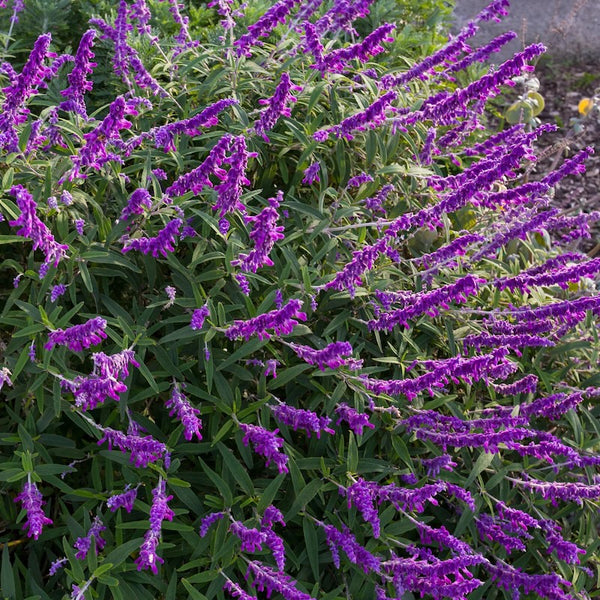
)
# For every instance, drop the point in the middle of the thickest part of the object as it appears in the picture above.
(283, 319)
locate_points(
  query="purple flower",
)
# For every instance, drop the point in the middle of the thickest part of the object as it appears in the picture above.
(229, 586)
(143, 450)
(208, 520)
(358, 180)
(336, 61)
(229, 192)
(363, 495)
(66, 198)
(267, 579)
(83, 544)
(331, 356)
(31, 502)
(277, 106)
(79, 223)
(198, 317)
(371, 117)
(34, 228)
(311, 173)
(281, 321)
(554, 490)
(265, 232)
(433, 466)
(341, 15)
(159, 512)
(56, 565)
(139, 199)
(5, 377)
(375, 203)
(267, 444)
(299, 418)
(243, 282)
(196, 179)
(91, 391)
(356, 421)
(77, 78)
(277, 13)
(164, 135)
(95, 151)
(271, 516)
(57, 291)
(124, 500)
(354, 551)
(251, 538)
(186, 413)
(161, 244)
(24, 85)
(78, 337)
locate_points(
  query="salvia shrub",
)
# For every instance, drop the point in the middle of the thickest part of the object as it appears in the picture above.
(284, 319)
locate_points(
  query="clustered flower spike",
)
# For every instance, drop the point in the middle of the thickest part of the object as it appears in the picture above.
(276, 106)
(299, 418)
(186, 413)
(32, 227)
(83, 544)
(31, 502)
(143, 450)
(331, 356)
(281, 321)
(198, 317)
(267, 444)
(159, 512)
(265, 232)
(124, 500)
(77, 78)
(356, 421)
(163, 243)
(78, 337)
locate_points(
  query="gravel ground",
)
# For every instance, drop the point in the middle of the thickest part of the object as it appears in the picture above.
(569, 72)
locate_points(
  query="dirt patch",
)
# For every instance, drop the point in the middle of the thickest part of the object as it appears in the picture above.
(565, 87)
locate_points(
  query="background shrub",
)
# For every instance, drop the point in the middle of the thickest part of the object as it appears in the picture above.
(266, 303)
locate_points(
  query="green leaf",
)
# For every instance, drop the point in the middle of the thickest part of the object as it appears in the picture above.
(194, 593)
(236, 469)
(105, 567)
(303, 498)
(484, 460)
(120, 554)
(7, 577)
(312, 546)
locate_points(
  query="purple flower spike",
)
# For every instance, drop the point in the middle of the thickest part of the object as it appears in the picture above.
(267, 579)
(163, 243)
(281, 321)
(159, 512)
(77, 78)
(311, 173)
(143, 450)
(198, 317)
(298, 418)
(277, 106)
(186, 413)
(264, 26)
(82, 545)
(139, 199)
(125, 500)
(267, 444)
(78, 337)
(235, 591)
(33, 228)
(265, 232)
(331, 356)
(356, 421)
(208, 520)
(31, 502)
(24, 85)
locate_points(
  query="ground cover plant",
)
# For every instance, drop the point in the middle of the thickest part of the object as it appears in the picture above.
(284, 319)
